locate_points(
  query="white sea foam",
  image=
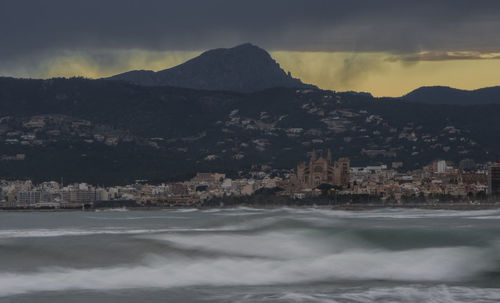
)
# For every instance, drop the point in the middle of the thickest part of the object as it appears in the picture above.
(486, 218)
(392, 213)
(299, 297)
(283, 248)
(137, 218)
(279, 245)
(433, 264)
(183, 210)
(255, 223)
(45, 233)
(419, 293)
(408, 294)
(235, 212)
(413, 293)
(119, 209)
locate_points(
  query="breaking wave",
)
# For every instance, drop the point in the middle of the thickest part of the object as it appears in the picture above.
(413, 293)
(48, 233)
(433, 256)
(432, 264)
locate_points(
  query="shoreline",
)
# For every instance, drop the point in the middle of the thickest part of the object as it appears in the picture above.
(344, 207)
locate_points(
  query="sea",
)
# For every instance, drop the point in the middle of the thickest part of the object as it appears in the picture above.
(250, 255)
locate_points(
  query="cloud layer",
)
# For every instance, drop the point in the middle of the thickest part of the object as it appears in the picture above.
(34, 26)
(44, 38)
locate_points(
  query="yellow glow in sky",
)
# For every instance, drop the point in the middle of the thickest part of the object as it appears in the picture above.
(377, 73)
(111, 63)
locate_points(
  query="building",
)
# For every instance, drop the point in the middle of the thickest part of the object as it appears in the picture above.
(78, 195)
(208, 178)
(439, 166)
(28, 197)
(396, 165)
(323, 171)
(494, 179)
(473, 178)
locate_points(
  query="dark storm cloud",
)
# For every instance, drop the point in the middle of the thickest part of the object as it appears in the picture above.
(442, 56)
(32, 28)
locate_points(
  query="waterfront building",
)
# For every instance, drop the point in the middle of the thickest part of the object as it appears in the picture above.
(28, 197)
(494, 179)
(78, 195)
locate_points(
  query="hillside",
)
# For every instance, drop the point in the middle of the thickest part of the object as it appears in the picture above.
(448, 95)
(108, 132)
(244, 68)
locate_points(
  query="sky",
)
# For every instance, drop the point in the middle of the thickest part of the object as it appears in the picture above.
(385, 47)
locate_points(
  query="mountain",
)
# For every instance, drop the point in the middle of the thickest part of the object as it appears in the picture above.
(114, 132)
(244, 68)
(448, 95)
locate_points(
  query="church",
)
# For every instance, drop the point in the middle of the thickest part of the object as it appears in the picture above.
(321, 170)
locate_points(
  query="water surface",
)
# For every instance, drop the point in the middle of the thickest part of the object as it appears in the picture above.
(250, 255)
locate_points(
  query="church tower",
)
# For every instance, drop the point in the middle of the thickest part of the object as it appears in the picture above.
(323, 170)
(313, 156)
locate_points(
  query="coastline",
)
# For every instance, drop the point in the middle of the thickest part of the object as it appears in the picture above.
(343, 207)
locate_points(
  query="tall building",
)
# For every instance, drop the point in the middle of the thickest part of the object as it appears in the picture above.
(78, 195)
(28, 197)
(494, 179)
(439, 166)
(323, 171)
(342, 170)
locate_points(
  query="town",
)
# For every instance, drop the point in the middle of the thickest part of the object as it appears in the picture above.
(320, 177)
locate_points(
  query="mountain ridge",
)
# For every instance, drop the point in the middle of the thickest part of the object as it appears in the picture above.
(455, 96)
(243, 68)
(114, 132)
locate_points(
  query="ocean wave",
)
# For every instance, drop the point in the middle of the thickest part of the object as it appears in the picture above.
(279, 245)
(118, 209)
(419, 293)
(432, 264)
(183, 210)
(46, 233)
(410, 213)
(408, 293)
(492, 217)
(399, 213)
(136, 218)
